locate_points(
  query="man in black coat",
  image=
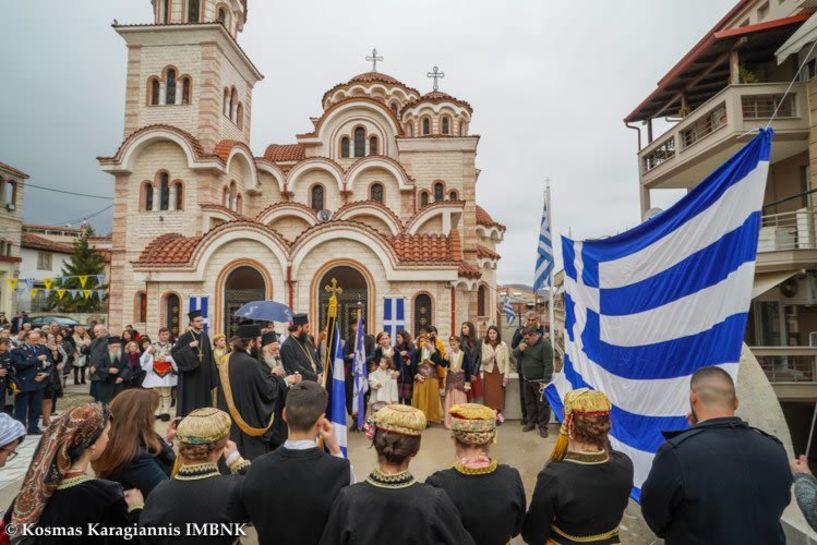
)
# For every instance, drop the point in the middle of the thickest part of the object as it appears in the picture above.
(193, 354)
(298, 354)
(96, 351)
(109, 371)
(252, 395)
(531, 320)
(33, 366)
(721, 481)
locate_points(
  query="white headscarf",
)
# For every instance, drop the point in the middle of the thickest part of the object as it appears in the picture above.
(10, 429)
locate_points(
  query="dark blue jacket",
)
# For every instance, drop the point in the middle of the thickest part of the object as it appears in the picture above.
(27, 364)
(146, 470)
(719, 482)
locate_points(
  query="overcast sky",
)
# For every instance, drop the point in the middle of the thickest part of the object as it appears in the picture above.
(550, 83)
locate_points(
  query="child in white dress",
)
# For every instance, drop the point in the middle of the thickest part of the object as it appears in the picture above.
(161, 372)
(383, 382)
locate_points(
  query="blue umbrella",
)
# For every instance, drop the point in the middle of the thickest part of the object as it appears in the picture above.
(265, 311)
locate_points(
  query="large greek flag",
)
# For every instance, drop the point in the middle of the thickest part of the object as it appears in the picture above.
(645, 309)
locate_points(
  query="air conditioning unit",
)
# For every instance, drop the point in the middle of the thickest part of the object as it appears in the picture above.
(799, 290)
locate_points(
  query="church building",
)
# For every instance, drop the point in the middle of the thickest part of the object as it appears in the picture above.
(379, 193)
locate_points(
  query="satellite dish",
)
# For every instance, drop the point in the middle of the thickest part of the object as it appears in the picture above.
(651, 213)
(325, 215)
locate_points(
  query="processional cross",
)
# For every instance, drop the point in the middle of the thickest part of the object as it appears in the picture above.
(373, 58)
(435, 74)
(332, 288)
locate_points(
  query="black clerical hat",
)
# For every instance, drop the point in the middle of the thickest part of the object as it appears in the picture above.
(301, 318)
(193, 314)
(114, 340)
(249, 331)
(268, 338)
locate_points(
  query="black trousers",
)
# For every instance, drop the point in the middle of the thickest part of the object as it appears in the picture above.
(538, 408)
(28, 406)
(522, 404)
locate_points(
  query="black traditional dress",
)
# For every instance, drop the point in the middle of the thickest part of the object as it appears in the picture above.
(394, 509)
(252, 396)
(580, 499)
(197, 372)
(301, 357)
(200, 495)
(491, 500)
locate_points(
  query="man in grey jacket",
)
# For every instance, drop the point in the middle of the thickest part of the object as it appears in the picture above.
(534, 355)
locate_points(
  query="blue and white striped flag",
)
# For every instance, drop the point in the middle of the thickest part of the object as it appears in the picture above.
(361, 382)
(544, 250)
(337, 396)
(394, 316)
(507, 308)
(200, 303)
(647, 308)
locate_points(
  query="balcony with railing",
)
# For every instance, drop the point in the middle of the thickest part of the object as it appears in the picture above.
(697, 144)
(787, 240)
(792, 370)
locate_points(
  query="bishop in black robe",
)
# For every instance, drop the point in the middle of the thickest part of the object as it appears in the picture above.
(197, 368)
(396, 510)
(301, 356)
(252, 395)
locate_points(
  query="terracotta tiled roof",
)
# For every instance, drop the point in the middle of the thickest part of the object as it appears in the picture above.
(369, 202)
(224, 147)
(485, 252)
(285, 152)
(169, 248)
(194, 142)
(436, 97)
(370, 77)
(468, 271)
(27, 240)
(16, 172)
(423, 248)
(484, 218)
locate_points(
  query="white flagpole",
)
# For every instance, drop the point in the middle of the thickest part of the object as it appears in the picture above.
(551, 310)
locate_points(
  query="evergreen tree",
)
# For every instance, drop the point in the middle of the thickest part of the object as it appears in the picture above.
(84, 262)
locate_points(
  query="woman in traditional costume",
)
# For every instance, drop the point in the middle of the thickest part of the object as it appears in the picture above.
(57, 492)
(161, 372)
(457, 377)
(426, 392)
(199, 493)
(489, 496)
(581, 494)
(390, 506)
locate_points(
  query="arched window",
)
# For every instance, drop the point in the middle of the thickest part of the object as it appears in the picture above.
(222, 16)
(140, 307)
(360, 142)
(423, 198)
(395, 107)
(225, 198)
(233, 195)
(482, 301)
(453, 195)
(154, 91)
(164, 191)
(11, 194)
(462, 128)
(178, 196)
(439, 191)
(446, 125)
(170, 86)
(410, 130)
(239, 116)
(172, 314)
(226, 107)
(166, 15)
(186, 90)
(239, 203)
(233, 100)
(192, 11)
(317, 197)
(147, 196)
(373, 145)
(423, 313)
(344, 146)
(426, 126)
(376, 192)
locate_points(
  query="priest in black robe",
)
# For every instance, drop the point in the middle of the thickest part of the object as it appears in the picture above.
(193, 354)
(252, 395)
(298, 354)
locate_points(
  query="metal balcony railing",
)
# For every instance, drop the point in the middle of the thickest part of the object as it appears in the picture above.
(789, 364)
(788, 231)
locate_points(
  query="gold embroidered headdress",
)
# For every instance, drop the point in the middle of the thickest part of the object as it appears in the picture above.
(581, 402)
(473, 424)
(400, 419)
(204, 426)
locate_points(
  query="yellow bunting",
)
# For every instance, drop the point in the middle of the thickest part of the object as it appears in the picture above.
(86, 293)
(60, 293)
(34, 292)
(12, 282)
(47, 283)
(83, 280)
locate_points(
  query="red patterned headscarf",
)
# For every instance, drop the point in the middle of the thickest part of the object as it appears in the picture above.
(60, 446)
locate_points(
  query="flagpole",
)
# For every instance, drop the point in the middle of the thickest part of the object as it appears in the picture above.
(551, 310)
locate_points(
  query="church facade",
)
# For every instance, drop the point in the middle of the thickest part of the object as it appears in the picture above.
(379, 194)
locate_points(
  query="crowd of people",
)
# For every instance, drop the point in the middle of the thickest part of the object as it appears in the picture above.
(251, 444)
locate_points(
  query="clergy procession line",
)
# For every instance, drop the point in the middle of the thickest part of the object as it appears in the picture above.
(252, 444)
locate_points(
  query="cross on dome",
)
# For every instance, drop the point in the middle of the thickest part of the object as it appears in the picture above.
(373, 58)
(435, 74)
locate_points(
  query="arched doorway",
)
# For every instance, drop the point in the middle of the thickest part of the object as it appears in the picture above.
(242, 285)
(353, 301)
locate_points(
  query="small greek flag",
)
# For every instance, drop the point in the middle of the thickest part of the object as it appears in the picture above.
(361, 382)
(394, 316)
(544, 250)
(337, 399)
(507, 308)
